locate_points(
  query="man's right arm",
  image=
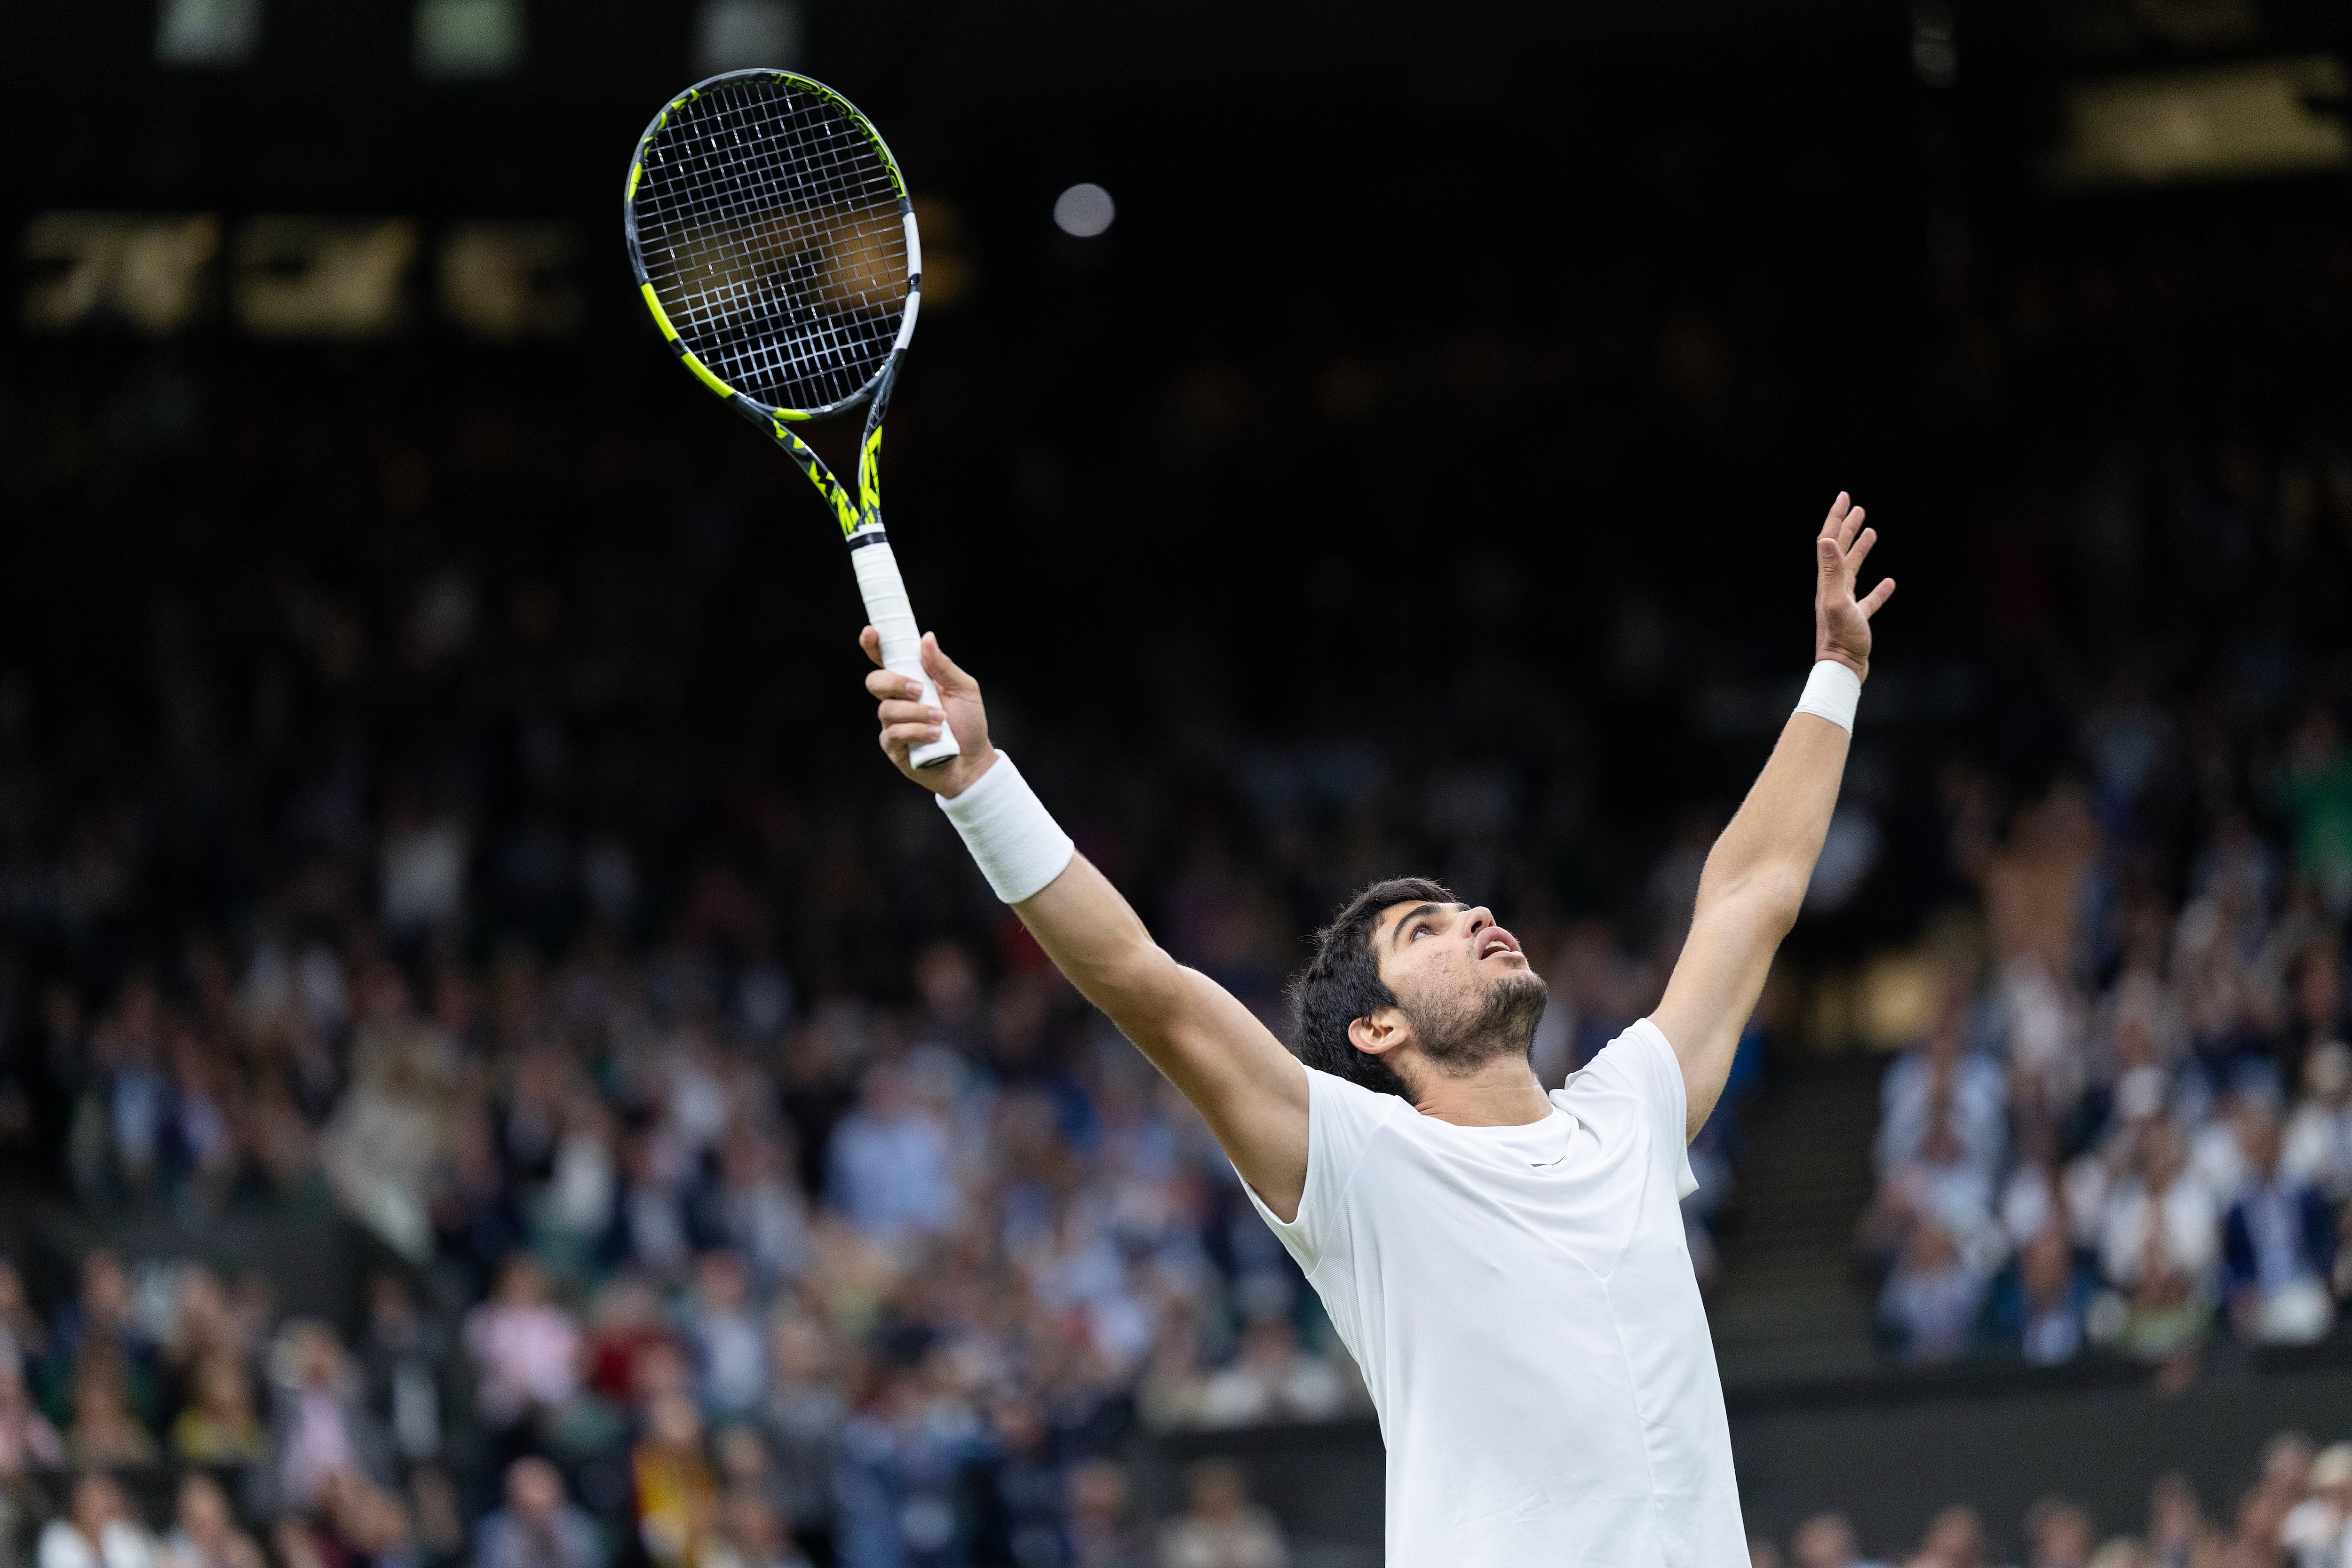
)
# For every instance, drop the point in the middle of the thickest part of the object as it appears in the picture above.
(1250, 1090)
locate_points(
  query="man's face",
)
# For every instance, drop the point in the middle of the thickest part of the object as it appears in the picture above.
(1461, 982)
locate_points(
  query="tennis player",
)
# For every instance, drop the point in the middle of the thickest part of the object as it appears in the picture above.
(1508, 1267)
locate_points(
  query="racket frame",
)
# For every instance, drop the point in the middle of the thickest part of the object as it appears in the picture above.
(859, 513)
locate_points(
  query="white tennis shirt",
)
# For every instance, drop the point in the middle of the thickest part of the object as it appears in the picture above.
(1522, 1304)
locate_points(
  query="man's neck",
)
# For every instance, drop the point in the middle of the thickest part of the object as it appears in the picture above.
(1503, 1093)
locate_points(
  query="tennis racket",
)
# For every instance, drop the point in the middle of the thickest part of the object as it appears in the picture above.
(773, 239)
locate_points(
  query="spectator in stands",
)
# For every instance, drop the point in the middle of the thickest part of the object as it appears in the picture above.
(106, 1434)
(759, 1210)
(218, 1426)
(320, 1427)
(802, 1414)
(753, 1533)
(723, 1331)
(202, 1326)
(653, 1206)
(359, 1520)
(97, 1529)
(1943, 1087)
(2040, 1303)
(2058, 1534)
(1273, 1379)
(27, 1441)
(2317, 1529)
(1220, 1526)
(99, 1326)
(441, 1532)
(1928, 1308)
(906, 1459)
(538, 1528)
(2159, 1238)
(1025, 1513)
(1954, 1540)
(23, 1340)
(204, 1533)
(1101, 1534)
(672, 1485)
(889, 1170)
(2278, 1249)
(2318, 1152)
(2177, 1533)
(1827, 1540)
(525, 1348)
(402, 1362)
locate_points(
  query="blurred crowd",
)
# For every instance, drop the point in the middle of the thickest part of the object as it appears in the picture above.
(2297, 1513)
(2129, 1124)
(879, 1285)
(192, 1432)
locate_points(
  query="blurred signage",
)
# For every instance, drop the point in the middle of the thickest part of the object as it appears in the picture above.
(133, 269)
(739, 35)
(305, 277)
(508, 280)
(462, 38)
(208, 32)
(2280, 118)
(295, 277)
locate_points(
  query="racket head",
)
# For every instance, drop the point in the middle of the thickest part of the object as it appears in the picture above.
(772, 237)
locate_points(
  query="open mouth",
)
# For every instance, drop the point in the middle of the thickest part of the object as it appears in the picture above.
(1494, 939)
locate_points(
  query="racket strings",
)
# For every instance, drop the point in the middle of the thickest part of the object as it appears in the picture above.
(768, 223)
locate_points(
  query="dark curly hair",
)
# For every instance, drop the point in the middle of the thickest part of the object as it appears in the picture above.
(1342, 984)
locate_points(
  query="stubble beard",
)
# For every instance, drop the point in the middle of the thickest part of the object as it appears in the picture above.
(1461, 1033)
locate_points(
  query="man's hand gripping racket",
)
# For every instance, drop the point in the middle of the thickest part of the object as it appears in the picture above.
(912, 720)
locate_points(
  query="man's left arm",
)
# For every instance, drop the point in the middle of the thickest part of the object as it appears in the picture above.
(1757, 873)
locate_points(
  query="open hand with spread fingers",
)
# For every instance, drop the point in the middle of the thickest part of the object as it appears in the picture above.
(907, 723)
(1841, 621)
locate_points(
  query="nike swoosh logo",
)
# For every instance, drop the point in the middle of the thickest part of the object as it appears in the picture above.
(1544, 1165)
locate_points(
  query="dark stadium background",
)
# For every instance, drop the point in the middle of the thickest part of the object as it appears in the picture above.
(1453, 397)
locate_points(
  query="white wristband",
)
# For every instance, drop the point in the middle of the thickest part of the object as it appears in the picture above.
(1831, 692)
(1018, 845)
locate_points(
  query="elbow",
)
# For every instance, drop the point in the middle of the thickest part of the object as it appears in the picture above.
(1772, 896)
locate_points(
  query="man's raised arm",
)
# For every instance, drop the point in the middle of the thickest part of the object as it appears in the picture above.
(1757, 873)
(1251, 1091)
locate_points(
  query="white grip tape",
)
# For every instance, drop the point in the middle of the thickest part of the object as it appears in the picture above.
(1832, 693)
(885, 593)
(1015, 841)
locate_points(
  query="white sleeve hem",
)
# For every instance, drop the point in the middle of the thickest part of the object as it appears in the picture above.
(1685, 1179)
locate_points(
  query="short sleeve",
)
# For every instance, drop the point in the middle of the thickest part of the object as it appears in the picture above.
(1642, 1067)
(1341, 1118)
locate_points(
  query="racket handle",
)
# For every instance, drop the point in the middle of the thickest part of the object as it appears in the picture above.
(902, 644)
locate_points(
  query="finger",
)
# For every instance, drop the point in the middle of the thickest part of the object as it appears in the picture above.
(1849, 528)
(909, 713)
(1878, 597)
(886, 684)
(944, 671)
(1861, 551)
(1836, 516)
(871, 641)
(1832, 558)
(908, 735)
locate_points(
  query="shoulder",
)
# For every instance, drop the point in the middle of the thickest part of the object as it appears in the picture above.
(1641, 1060)
(1333, 1095)
(1343, 1119)
(1634, 1086)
